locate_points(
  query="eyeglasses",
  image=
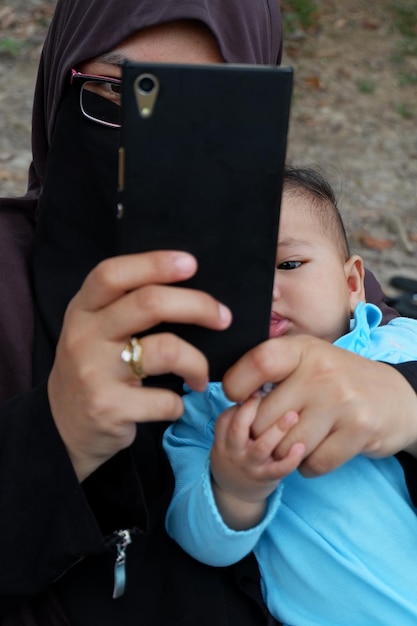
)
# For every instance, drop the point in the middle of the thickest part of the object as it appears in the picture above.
(99, 98)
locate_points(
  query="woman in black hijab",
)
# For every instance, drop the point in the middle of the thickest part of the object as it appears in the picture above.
(57, 530)
(82, 470)
(246, 32)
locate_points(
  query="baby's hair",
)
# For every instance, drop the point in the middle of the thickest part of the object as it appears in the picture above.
(310, 182)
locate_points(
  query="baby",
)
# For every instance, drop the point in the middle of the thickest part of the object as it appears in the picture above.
(337, 549)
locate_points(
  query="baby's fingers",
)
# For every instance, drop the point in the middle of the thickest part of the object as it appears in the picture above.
(276, 470)
(262, 448)
(233, 425)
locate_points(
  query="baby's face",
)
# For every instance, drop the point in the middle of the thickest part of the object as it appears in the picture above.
(314, 287)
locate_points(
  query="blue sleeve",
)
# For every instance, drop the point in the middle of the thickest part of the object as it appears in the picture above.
(193, 519)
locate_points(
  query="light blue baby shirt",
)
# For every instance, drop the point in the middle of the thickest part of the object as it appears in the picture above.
(337, 550)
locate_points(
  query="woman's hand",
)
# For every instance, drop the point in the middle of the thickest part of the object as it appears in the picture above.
(347, 404)
(94, 398)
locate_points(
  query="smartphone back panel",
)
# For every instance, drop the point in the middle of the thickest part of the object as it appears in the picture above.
(201, 164)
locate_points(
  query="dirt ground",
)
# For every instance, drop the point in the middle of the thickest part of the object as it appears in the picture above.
(354, 114)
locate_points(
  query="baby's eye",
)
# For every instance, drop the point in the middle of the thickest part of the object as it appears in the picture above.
(289, 265)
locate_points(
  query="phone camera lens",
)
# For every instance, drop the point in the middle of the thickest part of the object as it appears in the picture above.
(146, 84)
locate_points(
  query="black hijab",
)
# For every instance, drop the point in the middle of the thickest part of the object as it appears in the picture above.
(246, 31)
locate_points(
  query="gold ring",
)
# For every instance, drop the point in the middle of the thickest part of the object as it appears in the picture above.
(132, 353)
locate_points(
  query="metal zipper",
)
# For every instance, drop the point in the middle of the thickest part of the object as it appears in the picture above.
(123, 539)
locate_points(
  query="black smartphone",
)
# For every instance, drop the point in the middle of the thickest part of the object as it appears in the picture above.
(200, 169)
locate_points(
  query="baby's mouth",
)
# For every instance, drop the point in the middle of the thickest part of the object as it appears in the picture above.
(278, 325)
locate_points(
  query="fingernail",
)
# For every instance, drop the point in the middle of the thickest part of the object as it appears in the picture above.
(299, 448)
(225, 314)
(185, 263)
(291, 418)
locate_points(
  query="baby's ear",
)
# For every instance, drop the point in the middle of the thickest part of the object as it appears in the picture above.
(355, 274)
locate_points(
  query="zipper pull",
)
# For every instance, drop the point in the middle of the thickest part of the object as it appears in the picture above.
(120, 563)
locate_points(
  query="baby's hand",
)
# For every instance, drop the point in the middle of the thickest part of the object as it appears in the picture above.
(244, 472)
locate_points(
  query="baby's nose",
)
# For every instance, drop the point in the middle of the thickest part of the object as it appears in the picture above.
(275, 290)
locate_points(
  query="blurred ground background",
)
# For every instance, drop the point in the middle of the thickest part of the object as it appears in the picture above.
(354, 112)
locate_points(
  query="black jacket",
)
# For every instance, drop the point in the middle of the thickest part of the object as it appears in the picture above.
(53, 529)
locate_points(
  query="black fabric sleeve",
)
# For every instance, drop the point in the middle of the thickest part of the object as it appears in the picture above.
(409, 371)
(47, 523)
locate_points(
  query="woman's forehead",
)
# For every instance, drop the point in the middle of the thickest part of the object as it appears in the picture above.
(176, 42)
(245, 30)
